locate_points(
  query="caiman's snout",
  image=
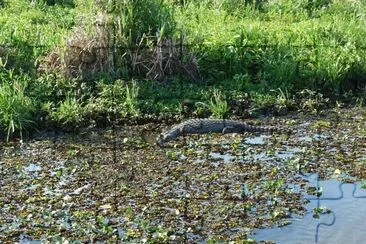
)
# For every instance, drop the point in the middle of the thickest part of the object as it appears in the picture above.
(160, 141)
(164, 138)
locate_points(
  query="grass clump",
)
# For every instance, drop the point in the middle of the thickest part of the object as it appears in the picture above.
(131, 99)
(217, 105)
(69, 112)
(16, 107)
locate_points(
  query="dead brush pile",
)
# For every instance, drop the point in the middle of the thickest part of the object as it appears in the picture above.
(163, 60)
(87, 54)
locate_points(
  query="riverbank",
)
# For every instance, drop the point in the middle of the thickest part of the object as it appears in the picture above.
(74, 64)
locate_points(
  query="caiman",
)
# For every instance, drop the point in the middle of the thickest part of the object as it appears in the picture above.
(204, 126)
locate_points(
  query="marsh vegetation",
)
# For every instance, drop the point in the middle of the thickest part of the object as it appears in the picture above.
(116, 186)
(86, 86)
(80, 62)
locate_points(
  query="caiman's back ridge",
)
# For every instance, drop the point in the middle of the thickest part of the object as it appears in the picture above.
(203, 126)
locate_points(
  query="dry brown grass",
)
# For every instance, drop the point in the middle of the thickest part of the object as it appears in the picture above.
(87, 54)
(84, 54)
(165, 59)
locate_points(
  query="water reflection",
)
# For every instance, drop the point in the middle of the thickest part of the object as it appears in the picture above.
(345, 224)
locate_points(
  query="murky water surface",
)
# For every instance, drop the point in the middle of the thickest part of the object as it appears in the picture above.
(344, 223)
(116, 186)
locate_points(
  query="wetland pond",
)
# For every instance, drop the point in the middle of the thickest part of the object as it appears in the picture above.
(117, 186)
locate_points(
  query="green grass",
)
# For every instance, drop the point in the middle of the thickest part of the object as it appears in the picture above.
(271, 51)
(131, 99)
(27, 32)
(69, 111)
(295, 51)
(16, 107)
(217, 105)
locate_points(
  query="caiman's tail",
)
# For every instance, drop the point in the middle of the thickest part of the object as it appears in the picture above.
(266, 129)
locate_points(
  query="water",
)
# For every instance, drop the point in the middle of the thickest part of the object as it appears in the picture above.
(347, 203)
(288, 156)
(256, 140)
(346, 223)
(33, 167)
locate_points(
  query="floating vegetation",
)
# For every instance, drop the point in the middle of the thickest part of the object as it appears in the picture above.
(112, 185)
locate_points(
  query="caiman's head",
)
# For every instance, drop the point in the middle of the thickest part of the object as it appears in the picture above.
(160, 140)
(164, 138)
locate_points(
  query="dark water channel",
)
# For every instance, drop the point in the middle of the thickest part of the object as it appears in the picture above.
(342, 206)
(344, 224)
